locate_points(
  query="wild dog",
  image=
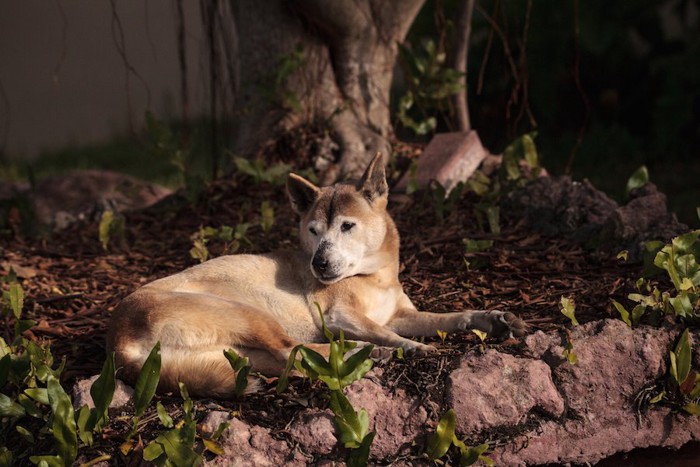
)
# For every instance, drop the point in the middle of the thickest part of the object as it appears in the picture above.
(262, 306)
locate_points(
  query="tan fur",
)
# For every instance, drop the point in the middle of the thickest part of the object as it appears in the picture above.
(264, 305)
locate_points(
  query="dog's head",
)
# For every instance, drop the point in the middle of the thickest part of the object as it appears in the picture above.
(342, 226)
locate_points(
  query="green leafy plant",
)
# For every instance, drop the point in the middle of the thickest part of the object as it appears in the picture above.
(176, 445)
(680, 260)
(444, 437)
(165, 144)
(685, 379)
(482, 339)
(260, 173)
(637, 180)
(101, 391)
(520, 165)
(337, 372)
(471, 249)
(430, 84)
(568, 308)
(443, 202)
(111, 226)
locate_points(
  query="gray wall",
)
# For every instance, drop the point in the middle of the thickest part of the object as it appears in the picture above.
(56, 92)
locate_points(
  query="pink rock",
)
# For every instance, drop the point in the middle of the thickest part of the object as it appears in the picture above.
(614, 363)
(449, 158)
(496, 389)
(314, 429)
(396, 416)
(81, 393)
(253, 446)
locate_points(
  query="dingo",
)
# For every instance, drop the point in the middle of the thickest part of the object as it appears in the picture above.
(262, 306)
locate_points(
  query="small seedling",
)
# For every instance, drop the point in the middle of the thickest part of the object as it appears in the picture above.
(637, 180)
(241, 365)
(568, 353)
(111, 226)
(568, 308)
(444, 436)
(482, 339)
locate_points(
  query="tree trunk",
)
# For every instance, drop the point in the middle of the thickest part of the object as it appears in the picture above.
(310, 61)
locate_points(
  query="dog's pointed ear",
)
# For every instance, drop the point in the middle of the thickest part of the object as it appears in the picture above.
(373, 184)
(302, 193)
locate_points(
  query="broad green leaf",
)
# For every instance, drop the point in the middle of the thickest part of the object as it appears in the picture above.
(684, 243)
(637, 312)
(316, 361)
(24, 433)
(10, 408)
(153, 451)
(692, 408)
(471, 455)
(681, 304)
(283, 380)
(147, 382)
(84, 430)
(187, 401)
(651, 250)
(63, 427)
(236, 361)
(220, 430)
(440, 441)
(359, 457)
(213, 447)
(49, 461)
(623, 255)
(41, 395)
(493, 215)
(5, 366)
(356, 366)
(638, 179)
(102, 392)
(683, 357)
(568, 309)
(165, 419)
(674, 366)
(16, 300)
(242, 380)
(5, 457)
(530, 151)
(624, 314)
(352, 426)
(658, 398)
(30, 407)
(178, 445)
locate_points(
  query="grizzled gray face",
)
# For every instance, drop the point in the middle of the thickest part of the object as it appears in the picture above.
(341, 231)
(342, 226)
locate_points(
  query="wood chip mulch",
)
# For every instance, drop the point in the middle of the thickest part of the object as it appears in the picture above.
(72, 284)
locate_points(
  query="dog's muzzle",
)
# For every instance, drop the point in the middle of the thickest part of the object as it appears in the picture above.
(321, 266)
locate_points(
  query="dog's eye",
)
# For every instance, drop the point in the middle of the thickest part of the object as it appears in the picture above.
(346, 226)
(313, 231)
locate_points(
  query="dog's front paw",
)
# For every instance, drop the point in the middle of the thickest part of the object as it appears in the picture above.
(505, 324)
(416, 349)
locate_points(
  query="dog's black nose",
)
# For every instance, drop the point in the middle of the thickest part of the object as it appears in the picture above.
(320, 263)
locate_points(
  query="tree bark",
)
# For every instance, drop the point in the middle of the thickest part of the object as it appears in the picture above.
(459, 62)
(348, 50)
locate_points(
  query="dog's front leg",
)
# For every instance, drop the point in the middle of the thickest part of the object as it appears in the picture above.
(357, 326)
(499, 324)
